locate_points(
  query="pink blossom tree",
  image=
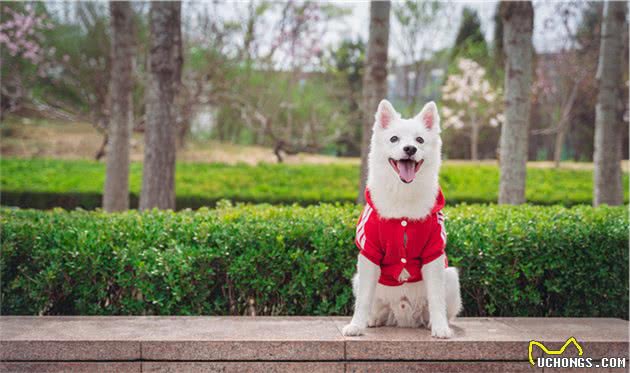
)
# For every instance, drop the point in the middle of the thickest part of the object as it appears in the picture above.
(22, 52)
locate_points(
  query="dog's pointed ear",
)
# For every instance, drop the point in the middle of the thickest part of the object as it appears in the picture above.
(429, 117)
(385, 114)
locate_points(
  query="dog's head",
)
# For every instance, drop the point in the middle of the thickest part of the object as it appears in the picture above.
(407, 145)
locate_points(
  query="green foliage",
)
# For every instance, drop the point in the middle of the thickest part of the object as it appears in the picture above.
(74, 74)
(44, 183)
(541, 261)
(270, 92)
(348, 59)
(24, 55)
(514, 261)
(271, 107)
(470, 41)
(469, 29)
(498, 50)
(82, 83)
(416, 14)
(347, 64)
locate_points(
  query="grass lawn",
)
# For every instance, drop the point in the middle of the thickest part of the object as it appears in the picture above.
(41, 183)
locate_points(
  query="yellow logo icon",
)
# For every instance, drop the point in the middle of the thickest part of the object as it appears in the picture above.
(553, 352)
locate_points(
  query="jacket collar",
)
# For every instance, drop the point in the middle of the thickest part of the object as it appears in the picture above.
(439, 201)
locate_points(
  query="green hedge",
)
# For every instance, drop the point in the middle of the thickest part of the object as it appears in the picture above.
(45, 183)
(514, 261)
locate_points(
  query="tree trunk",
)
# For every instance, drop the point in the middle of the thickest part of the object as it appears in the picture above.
(564, 125)
(518, 19)
(165, 63)
(374, 80)
(116, 193)
(474, 141)
(607, 156)
(559, 144)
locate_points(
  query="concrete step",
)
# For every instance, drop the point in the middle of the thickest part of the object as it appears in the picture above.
(309, 344)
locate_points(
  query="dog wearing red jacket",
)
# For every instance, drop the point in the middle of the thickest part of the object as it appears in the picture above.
(403, 278)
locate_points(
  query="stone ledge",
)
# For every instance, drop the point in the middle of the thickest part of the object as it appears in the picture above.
(164, 344)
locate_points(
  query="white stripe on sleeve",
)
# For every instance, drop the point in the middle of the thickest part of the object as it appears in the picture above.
(360, 233)
(442, 228)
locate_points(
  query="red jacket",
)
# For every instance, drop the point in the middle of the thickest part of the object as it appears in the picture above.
(397, 244)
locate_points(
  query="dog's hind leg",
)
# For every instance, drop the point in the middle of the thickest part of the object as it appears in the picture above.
(379, 314)
(453, 294)
(391, 319)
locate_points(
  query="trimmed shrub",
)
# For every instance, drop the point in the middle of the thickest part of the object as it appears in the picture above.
(46, 183)
(514, 261)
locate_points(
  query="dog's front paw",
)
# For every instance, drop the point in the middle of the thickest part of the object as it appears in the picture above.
(441, 331)
(352, 330)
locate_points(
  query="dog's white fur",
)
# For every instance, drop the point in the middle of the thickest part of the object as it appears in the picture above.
(436, 299)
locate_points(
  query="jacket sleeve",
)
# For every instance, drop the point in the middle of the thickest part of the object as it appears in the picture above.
(437, 239)
(367, 237)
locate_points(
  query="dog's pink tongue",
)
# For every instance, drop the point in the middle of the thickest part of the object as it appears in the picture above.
(407, 171)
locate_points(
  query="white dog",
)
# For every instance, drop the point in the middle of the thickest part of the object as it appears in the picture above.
(402, 275)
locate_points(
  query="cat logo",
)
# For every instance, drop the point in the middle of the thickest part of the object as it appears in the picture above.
(553, 352)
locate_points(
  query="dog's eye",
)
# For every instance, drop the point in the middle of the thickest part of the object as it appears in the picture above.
(393, 139)
(420, 140)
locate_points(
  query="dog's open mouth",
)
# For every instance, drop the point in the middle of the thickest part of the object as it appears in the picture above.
(406, 168)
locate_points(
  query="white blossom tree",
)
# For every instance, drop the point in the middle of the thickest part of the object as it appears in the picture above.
(470, 101)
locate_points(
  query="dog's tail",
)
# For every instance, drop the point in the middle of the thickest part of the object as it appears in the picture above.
(453, 295)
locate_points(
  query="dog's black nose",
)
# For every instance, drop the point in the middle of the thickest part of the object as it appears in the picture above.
(410, 150)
